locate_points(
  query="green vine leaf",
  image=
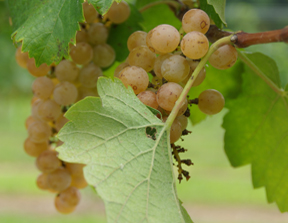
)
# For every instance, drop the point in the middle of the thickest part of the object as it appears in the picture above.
(45, 27)
(216, 10)
(127, 152)
(257, 130)
(102, 6)
(228, 82)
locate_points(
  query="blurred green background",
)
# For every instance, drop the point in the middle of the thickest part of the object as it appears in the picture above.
(215, 193)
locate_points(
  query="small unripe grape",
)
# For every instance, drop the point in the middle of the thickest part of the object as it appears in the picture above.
(224, 57)
(89, 75)
(194, 45)
(39, 132)
(49, 110)
(48, 161)
(97, 33)
(136, 77)
(211, 102)
(104, 55)
(82, 53)
(65, 93)
(175, 68)
(59, 179)
(137, 38)
(195, 20)
(141, 56)
(42, 87)
(90, 12)
(21, 58)
(40, 71)
(168, 94)
(34, 149)
(158, 63)
(164, 38)
(120, 67)
(118, 12)
(66, 70)
(148, 98)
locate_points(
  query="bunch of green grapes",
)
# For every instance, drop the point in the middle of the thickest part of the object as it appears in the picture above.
(172, 61)
(55, 89)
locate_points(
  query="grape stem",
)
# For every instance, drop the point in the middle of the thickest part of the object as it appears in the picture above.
(183, 95)
(174, 4)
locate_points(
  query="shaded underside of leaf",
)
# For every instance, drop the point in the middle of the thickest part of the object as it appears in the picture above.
(130, 169)
(46, 27)
(257, 131)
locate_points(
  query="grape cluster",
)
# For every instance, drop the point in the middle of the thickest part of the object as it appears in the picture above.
(171, 58)
(55, 89)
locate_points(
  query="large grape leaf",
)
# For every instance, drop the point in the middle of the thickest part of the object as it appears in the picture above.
(228, 82)
(45, 27)
(257, 130)
(102, 6)
(127, 152)
(215, 9)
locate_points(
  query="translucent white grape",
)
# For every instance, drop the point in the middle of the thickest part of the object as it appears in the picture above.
(104, 55)
(42, 87)
(40, 71)
(211, 102)
(137, 38)
(90, 12)
(39, 132)
(201, 76)
(142, 57)
(148, 98)
(66, 70)
(89, 75)
(120, 67)
(195, 20)
(65, 93)
(34, 149)
(60, 122)
(158, 63)
(48, 161)
(118, 12)
(59, 179)
(183, 121)
(49, 110)
(82, 53)
(175, 131)
(97, 33)
(82, 36)
(21, 58)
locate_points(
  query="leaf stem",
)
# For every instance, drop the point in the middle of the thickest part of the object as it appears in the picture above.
(182, 97)
(257, 71)
(171, 3)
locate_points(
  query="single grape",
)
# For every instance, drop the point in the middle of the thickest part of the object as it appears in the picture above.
(148, 98)
(104, 55)
(211, 102)
(65, 93)
(141, 56)
(42, 182)
(224, 57)
(175, 68)
(39, 132)
(89, 75)
(137, 38)
(49, 110)
(149, 44)
(182, 109)
(21, 58)
(42, 87)
(168, 94)
(59, 179)
(75, 168)
(136, 77)
(66, 70)
(78, 181)
(201, 76)
(120, 67)
(34, 149)
(195, 20)
(118, 12)
(175, 130)
(82, 53)
(48, 161)
(90, 12)
(34, 109)
(158, 63)
(183, 121)
(60, 122)
(82, 36)
(97, 33)
(164, 38)
(40, 71)
(30, 120)
(194, 45)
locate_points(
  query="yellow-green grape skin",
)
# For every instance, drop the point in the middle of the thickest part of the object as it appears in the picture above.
(82, 36)
(136, 77)
(168, 94)
(224, 57)
(195, 20)
(89, 75)
(164, 38)
(175, 68)
(148, 98)
(97, 33)
(82, 53)
(40, 71)
(34, 149)
(201, 76)
(194, 45)
(158, 63)
(30, 120)
(175, 130)
(90, 12)
(103, 55)
(142, 57)
(48, 161)
(65, 93)
(137, 38)
(42, 182)
(211, 102)
(149, 44)
(59, 179)
(183, 121)
(39, 132)
(42, 87)
(66, 70)
(60, 122)
(21, 58)
(49, 110)
(120, 67)
(119, 12)
(34, 109)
